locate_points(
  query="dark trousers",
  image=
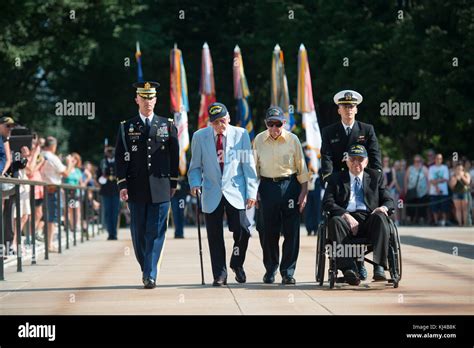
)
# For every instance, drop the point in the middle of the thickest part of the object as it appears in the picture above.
(239, 225)
(280, 212)
(375, 227)
(313, 208)
(148, 226)
(111, 211)
(177, 207)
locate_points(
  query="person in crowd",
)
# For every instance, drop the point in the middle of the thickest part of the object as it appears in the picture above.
(52, 172)
(25, 207)
(33, 171)
(459, 183)
(438, 176)
(75, 179)
(430, 157)
(6, 126)
(107, 178)
(416, 190)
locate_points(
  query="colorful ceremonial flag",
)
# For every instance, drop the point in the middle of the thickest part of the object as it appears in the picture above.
(279, 93)
(206, 87)
(241, 93)
(179, 103)
(306, 107)
(138, 57)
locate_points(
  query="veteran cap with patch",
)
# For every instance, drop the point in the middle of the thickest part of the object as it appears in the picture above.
(348, 96)
(357, 150)
(217, 110)
(146, 89)
(8, 121)
(275, 113)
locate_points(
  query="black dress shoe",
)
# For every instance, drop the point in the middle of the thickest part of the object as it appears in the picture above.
(351, 277)
(362, 270)
(379, 274)
(288, 280)
(269, 278)
(240, 276)
(219, 282)
(150, 283)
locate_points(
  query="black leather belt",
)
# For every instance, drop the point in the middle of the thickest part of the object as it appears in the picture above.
(282, 178)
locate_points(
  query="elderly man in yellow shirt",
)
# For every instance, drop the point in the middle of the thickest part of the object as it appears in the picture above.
(282, 194)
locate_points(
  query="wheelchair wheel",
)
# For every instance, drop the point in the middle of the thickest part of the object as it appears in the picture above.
(395, 257)
(320, 254)
(332, 273)
(399, 254)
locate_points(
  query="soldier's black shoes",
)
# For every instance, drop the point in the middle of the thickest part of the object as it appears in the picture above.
(150, 283)
(269, 278)
(351, 277)
(288, 280)
(240, 276)
(220, 282)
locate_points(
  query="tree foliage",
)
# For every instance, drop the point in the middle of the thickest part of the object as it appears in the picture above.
(417, 51)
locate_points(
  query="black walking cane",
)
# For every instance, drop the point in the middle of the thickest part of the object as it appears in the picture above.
(198, 210)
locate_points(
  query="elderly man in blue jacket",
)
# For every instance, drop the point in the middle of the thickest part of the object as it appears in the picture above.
(223, 165)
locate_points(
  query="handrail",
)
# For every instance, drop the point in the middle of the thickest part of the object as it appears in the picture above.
(66, 188)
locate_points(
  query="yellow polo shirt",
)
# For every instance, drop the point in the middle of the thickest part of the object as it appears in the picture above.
(276, 158)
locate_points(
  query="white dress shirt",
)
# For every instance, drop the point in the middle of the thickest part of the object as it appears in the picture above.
(347, 126)
(351, 206)
(143, 117)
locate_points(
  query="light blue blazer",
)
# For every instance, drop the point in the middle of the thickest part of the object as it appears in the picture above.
(239, 180)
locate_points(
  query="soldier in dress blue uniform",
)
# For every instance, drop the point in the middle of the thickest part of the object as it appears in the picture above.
(147, 158)
(109, 191)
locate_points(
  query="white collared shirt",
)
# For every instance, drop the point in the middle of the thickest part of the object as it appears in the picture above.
(224, 139)
(143, 118)
(351, 206)
(347, 126)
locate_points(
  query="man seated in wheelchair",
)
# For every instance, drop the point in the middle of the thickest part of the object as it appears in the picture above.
(358, 205)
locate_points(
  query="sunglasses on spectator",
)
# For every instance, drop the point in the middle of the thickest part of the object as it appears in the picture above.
(276, 124)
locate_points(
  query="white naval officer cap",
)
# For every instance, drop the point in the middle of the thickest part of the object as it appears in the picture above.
(348, 96)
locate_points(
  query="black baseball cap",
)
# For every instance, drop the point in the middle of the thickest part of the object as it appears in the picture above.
(357, 150)
(217, 110)
(275, 113)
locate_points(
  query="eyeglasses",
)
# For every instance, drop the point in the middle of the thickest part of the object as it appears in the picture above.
(348, 106)
(276, 124)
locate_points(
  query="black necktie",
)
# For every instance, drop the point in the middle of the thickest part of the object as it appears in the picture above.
(348, 131)
(147, 126)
